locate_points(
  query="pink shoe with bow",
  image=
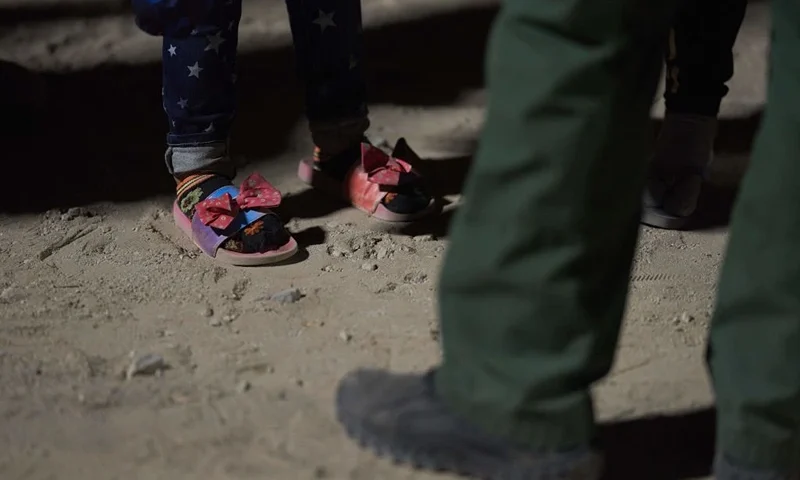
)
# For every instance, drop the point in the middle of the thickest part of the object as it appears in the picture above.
(228, 211)
(374, 183)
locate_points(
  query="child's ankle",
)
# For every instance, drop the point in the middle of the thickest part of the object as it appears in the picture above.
(333, 138)
(193, 188)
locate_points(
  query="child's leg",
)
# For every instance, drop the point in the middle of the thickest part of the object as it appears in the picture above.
(199, 92)
(199, 77)
(699, 63)
(328, 44)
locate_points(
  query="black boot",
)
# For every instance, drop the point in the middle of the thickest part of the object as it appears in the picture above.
(401, 416)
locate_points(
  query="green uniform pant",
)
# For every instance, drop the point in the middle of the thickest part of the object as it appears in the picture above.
(534, 285)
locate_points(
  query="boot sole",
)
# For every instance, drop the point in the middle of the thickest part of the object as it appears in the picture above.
(657, 218)
(473, 464)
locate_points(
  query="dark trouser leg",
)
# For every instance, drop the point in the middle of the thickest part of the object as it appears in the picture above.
(199, 91)
(755, 338)
(700, 55)
(328, 45)
(699, 62)
(534, 284)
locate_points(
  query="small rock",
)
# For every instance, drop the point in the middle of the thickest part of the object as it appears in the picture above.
(406, 249)
(328, 268)
(339, 250)
(229, 318)
(207, 312)
(686, 318)
(291, 295)
(299, 382)
(8, 294)
(345, 336)
(381, 253)
(243, 386)
(369, 267)
(343, 247)
(424, 238)
(147, 364)
(214, 322)
(74, 213)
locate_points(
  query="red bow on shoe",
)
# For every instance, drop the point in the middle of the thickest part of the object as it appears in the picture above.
(255, 192)
(381, 168)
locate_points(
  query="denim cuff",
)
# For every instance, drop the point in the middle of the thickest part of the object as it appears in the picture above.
(209, 157)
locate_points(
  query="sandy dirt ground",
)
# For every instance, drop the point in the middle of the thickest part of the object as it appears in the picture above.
(96, 284)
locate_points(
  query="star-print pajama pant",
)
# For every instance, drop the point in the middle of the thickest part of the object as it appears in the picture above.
(199, 74)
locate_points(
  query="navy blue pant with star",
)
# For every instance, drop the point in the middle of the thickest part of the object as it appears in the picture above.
(199, 69)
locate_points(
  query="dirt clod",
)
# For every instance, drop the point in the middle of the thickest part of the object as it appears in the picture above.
(243, 386)
(8, 294)
(290, 295)
(345, 336)
(425, 238)
(75, 212)
(147, 364)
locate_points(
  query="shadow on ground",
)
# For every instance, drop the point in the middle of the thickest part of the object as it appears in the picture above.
(660, 448)
(101, 134)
